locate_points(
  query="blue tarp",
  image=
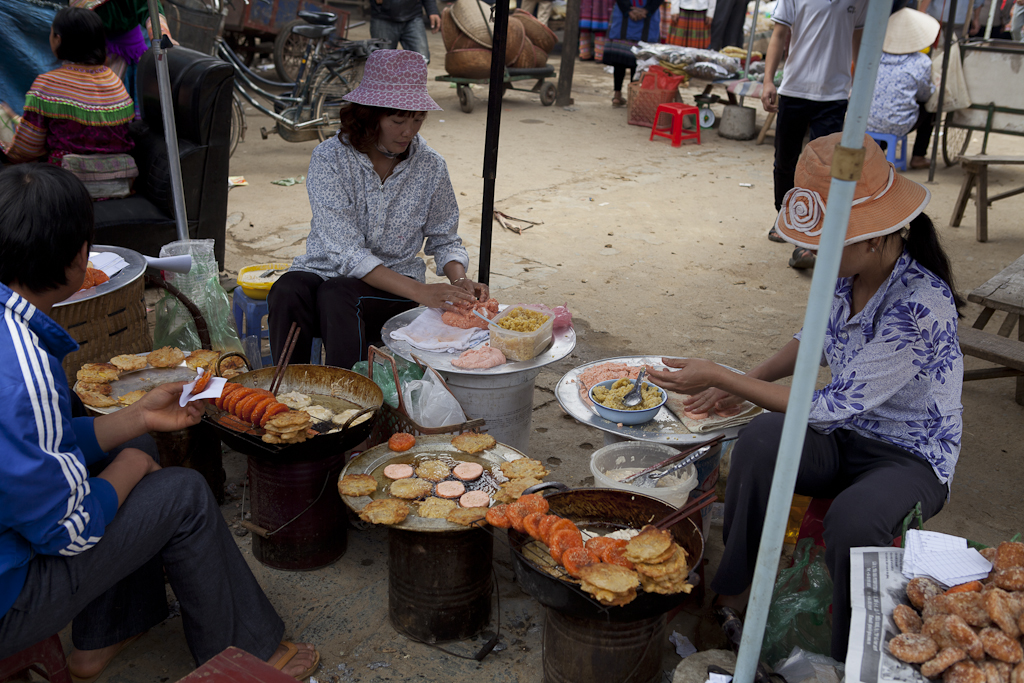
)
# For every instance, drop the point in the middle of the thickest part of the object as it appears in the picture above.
(25, 45)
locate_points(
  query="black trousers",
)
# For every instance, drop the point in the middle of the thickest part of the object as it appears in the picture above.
(727, 25)
(619, 76)
(795, 117)
(923, 135)
(114, 590)
(345, 313)
(874, 485)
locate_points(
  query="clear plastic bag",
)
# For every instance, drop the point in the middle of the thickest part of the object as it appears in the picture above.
(430, 404)
(799, 613)
(385, 379)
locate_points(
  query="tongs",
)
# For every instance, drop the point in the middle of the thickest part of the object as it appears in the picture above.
(684, 458)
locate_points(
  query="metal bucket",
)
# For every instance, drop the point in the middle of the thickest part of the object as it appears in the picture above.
(584, 650)
(504, 401)
(298, 519)
(440, 583)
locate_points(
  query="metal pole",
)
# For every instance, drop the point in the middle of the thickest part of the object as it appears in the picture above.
(753, 31)
(498, 40)
(163, 80)
(991, 19)
(570, 48)
(819, 304)
(947, 41)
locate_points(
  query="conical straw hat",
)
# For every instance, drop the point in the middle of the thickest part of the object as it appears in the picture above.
(474, 18)
(909, 31)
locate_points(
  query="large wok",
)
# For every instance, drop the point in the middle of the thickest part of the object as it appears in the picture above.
(330, 386)
(605, 509)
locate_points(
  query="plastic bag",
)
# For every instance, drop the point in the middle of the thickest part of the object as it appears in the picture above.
(798, 616)
(563, 318)
(707, 70)
(956, 96)
(657, 79)
(806, 666)
(385, 379)
(430, 404)
(174, 324)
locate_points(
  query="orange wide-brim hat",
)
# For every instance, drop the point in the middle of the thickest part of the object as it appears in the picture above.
(883, 201)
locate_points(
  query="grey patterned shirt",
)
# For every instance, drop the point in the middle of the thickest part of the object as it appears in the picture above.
(359, 223)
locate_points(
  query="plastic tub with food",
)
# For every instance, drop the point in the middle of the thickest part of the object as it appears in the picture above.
(257, 280)
(619, 460)
(521, 332)
(611, 391)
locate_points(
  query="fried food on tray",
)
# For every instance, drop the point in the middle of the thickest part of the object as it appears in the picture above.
(98, 372)
(575, 559)
(475, 499)
(201, 358)
(907, 619)
(651, 545)
(450, 489)
(913, 648)
(467, 516)
(357, 485)
(96, 400)
(1000, 646)
(95, 387)
(468, 471)
(510, 491)
(285, 427)
(1009, 554)
(497, 517)
(129, 362)
(534, 502)
(131, 397)
(524, 468)
(609, 584)
(667, 577)
(410, 489)
(473, 443)
(435, 508)
(963, 672)
(1003, 611)
(946, 658)
(433, 470)
(920, 589)
(401, 442)
(167, 357)
(385, 511)
(231, 367)
(398, 471)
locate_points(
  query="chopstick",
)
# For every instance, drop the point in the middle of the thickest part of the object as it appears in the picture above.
(682, 513)
(286, 356)
(675, 458)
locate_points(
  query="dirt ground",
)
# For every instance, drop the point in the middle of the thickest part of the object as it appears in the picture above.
(656, 250)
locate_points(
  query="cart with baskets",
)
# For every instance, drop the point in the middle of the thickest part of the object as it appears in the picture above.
(546, 89)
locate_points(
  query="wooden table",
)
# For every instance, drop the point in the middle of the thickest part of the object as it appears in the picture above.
(976, 175)
(1004, 292)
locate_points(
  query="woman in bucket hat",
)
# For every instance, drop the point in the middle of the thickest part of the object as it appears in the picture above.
(379, 195)
(884, 433)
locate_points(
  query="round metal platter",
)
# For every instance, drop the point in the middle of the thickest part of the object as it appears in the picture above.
(561, 346)
(146, 379)
(664, 428)
(127, 275)
(377, 458)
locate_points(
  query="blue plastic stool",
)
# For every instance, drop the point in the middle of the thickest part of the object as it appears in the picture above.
(891, 142)
(249, 319)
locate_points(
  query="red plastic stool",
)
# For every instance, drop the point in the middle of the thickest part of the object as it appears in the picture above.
(45, 658)
(675, 131)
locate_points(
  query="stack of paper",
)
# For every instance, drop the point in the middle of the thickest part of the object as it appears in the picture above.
(107, 261)
(945, 558)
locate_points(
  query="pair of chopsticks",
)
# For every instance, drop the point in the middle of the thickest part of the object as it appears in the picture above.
(696, 505)
(286, 356)
(675, 458)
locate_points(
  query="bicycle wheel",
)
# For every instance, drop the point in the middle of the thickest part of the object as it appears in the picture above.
(328, 90)
(238, 123)
(289, 49)
(954, 141)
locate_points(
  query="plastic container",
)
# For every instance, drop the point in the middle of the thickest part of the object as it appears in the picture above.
(260, 290)
(626, 417)
(643, 455)
(521, 345)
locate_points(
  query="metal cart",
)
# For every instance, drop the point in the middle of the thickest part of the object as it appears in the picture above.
(545, 89)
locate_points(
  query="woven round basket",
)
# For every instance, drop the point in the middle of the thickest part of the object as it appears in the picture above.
(474, 18)
(449, 30)
(539, 34)
(540, 58)
(515, 41)
(105, 326)
(475, 63)
(464, 42)
(525, 59)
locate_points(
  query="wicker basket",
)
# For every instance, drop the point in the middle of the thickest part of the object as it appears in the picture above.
(105, 326)
(468, 63)
(642, 104)
(539, 34)
(391, 421)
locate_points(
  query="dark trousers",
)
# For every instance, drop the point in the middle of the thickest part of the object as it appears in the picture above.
(619, 76)
(923, 135)
(795, 117)
(345, 313)
(874, 485)
(727, 25)
(114, 590)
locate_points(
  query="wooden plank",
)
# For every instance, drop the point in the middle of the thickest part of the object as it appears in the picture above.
(970, 174)
(989, 159)
(991, 347)
(981, 202)
(1007, 327)
(1003, 291)
(236, 666)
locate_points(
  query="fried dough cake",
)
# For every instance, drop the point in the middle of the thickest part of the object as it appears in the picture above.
(129, 362)
(167, 357)
(385, 511)
(610, 584)
(131, 397)
(467, 516)
(524, 468)
(99, 373)
(201, 358)
(473, 443)
(510, 491)
(357, 485)
(651, 545)
(433, 470)
(410, 489)
(95, 387)
(91, 398)
(436, 508)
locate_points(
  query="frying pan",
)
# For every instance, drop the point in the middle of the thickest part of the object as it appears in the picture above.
(329, 384)
(605, 509)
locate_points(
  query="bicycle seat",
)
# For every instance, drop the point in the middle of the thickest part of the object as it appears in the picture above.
(319, 18)
(313, 32)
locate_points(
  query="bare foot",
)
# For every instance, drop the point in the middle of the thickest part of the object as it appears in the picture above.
(302, 660)
(90, 663)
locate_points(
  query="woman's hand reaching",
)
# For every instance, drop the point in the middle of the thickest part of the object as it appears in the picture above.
(161, 412)
(712, 399)
(479, 290)
(442, 295)
(693, 375)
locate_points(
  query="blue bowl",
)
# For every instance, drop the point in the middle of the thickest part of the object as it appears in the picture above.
(627, 417)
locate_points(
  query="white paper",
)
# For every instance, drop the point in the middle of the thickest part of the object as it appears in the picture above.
(719, 678)
(213, 389)
(428, 333)
(945, 558)
(107, 261)
(684, 648)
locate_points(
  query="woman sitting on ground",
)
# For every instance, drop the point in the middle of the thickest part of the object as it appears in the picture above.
(80, 107)
(377, 192)
(884, 434)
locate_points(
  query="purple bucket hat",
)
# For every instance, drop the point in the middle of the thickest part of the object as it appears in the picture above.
(394, 79)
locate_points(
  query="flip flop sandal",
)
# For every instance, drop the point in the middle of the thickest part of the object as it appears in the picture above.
(618, 102)
(774, 236)
(802, 259)
(291, 652)
(123, 644)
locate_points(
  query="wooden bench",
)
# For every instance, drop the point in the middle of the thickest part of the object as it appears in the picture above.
(976, 175)
(1004, 292)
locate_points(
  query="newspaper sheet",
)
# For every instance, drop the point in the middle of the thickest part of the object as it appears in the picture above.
(877, 585)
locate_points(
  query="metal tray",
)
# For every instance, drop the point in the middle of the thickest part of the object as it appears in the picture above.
(664, 428)
(561, 346)
(146, 379)
(127, 275)
(378, 457)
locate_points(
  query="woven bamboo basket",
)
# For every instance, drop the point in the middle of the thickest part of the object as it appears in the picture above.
(540, 57)
(515, 41)
(449, 30)
(525, 58)
(105, 326)
(468, 63)
(539, 34)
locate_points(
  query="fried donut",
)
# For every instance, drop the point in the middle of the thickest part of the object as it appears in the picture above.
(913, 648)
(1002, 611)
(531, 523)
(1000, 646)
(907, 619)
(997, 672)
(989, 554)
(1017, 675)
(920, 589)
(560, 524)
(261, 407)
(497, 518)
(1009, 555)
(575, 559)
(231, 401)
(562, 541)
(1011, 578)
(963, 672)
(964, 637)
(616, 554)
(243, 409)
(935, 606)
(273, 410)
(515, 513)
(544, 527)
(534, 502)
(947, 657)
(229, 388)
(971, 606)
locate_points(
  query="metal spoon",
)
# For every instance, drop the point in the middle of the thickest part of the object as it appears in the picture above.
(650, 479)
(634, 397)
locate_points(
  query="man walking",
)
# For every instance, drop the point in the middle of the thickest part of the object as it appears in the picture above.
(401, 21)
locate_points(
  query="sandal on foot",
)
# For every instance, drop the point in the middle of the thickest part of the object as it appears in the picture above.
(293, 650)
(802, 259)
(121, 646)
(618, 102)
(731, 623)
(774, 236)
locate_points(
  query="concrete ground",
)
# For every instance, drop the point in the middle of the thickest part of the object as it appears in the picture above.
(656, 250)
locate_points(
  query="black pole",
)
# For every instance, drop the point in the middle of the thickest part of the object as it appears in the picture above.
(570, 48)
(499, 39)
(948, 40)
